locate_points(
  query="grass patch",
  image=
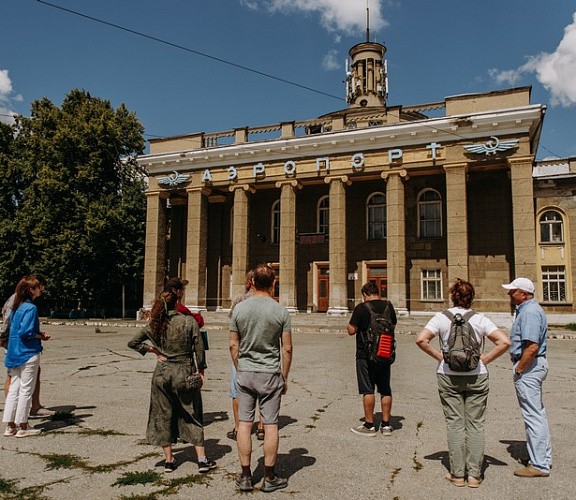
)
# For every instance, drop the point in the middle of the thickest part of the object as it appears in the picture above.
(100, 432)
(571, 326)
(132, 478)
(8, 487)
(55, 461)
(395, 472)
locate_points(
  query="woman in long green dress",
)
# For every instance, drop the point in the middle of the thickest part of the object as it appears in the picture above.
(175, 411)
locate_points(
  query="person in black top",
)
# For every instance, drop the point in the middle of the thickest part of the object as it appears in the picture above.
(371, 376)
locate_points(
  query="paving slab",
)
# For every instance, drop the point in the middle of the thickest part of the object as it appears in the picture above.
(88, 371)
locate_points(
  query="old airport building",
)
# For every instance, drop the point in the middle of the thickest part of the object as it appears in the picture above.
(409, 197)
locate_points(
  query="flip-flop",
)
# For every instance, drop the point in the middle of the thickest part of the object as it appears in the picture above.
(456, 481)
(260, 434)
(475, 482)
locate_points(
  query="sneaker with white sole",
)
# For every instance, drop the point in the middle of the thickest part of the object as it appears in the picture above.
(24, 433)
(170, 466)
(10, 431)
(206, 465)
(41, 413)
(386, 430)
(276, 483)
(362, 430)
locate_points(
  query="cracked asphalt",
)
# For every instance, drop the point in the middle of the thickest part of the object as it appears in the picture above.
(90, 453)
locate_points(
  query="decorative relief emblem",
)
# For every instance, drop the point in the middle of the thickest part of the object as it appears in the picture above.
(173, 179)
(493, 146)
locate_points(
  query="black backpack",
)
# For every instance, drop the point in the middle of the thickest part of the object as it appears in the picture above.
(461, 349)
(380, 342)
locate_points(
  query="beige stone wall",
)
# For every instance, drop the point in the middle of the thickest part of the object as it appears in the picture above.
(477, 103)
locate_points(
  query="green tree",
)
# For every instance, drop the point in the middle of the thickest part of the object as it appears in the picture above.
(80, 202)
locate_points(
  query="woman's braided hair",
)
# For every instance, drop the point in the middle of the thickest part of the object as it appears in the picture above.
(163, 308)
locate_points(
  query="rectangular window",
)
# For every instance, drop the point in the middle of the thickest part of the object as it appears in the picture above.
(431, 284)
(554, 283)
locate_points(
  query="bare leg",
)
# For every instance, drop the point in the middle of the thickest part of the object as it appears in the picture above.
(235, 412)
(7, 385)
(270, 444)
(244, 441)
(36, 394)
(386, 402)
(168, 453)
(369, 401)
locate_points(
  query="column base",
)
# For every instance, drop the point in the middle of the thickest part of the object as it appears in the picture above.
(401, 311)
(338, 311)
(292, 309)
(197, 309)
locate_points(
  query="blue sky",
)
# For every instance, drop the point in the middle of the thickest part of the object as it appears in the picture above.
(435, 50)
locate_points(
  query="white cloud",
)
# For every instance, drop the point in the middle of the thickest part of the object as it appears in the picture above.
(555, 71)
(332, 61)
(5, 97)
(348, 16)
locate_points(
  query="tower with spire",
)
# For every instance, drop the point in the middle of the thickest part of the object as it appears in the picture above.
(367, 74)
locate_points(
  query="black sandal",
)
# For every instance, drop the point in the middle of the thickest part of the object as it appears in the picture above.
(260, 434)
(232, 434)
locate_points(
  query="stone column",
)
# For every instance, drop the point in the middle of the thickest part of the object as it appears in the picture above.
(288, 244)
(337, 246)
(155, 249)
(456, 221)
(196, 249)
(523, 218)
(240, 238)
(396, 239)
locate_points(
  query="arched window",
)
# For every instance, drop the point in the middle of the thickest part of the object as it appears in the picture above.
(323, 215)
(429, 214)
(275, 230)
(376, 216)
(551, 227)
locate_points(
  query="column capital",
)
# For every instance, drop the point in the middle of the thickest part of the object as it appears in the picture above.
(160, 194)
(203, 189)
(245, 187)
(289, 182)
(517, 160)
(402, 172)
(342, 178)
(456, 165)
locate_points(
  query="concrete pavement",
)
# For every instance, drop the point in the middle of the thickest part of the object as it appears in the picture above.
(89, 371)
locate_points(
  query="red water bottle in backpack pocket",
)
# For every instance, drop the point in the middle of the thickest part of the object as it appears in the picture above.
(385, 346)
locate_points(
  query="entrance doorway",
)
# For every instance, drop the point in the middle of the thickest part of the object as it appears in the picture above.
(323, 288)
(379, 276)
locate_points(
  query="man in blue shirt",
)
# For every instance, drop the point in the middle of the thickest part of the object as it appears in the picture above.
(528, 337)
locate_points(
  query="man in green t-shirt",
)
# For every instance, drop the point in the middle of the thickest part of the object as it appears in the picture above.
(261, 349)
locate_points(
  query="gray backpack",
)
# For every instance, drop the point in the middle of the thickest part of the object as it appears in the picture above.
(461, 349)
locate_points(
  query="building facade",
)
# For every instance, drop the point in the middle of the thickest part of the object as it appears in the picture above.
(410, 198)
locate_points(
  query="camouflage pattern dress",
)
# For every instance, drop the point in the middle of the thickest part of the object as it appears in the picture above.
(175, 411)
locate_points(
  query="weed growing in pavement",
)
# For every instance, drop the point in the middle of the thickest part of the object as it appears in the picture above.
(7, 487)
(571, 326)
(99, 432)
(55, 461)
(132, 478)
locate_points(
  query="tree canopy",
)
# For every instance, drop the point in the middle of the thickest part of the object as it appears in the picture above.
(72, 202)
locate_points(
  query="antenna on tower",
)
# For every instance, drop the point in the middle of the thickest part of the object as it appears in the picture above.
(367, 22)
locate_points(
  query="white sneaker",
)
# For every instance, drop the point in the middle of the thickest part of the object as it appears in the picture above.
(362, 430)
(10, 431)
(23, 433)
(41, 413)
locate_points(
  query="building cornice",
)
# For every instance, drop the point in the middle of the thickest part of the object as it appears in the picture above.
(453, 129)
